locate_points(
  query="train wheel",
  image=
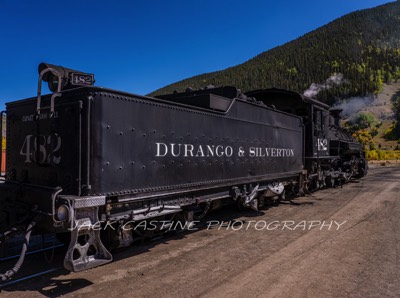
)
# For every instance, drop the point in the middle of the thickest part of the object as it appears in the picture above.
(362, 170)
(314, 185)
(317, 184)
(330, 181)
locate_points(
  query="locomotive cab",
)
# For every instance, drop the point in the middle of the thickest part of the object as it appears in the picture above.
(315, 116)
(332, 156)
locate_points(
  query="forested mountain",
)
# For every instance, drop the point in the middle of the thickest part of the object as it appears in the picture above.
(363, 46)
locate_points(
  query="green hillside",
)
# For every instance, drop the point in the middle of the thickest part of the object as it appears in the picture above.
(364, 46)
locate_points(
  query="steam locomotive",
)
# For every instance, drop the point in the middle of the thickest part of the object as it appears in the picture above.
(94, 163)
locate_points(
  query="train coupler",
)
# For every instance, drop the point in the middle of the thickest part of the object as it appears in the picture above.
(86, 249)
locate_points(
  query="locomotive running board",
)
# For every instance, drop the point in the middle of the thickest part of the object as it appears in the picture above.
(86, 250)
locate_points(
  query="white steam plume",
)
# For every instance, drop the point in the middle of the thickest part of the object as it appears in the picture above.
(354, 105)
(334, 80)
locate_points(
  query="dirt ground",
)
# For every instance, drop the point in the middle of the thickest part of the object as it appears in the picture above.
(342, 242)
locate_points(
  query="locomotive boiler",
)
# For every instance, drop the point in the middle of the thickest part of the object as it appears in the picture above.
(94, 163)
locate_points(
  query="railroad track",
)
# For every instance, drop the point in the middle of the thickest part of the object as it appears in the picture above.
(31, 252)
(27, 277)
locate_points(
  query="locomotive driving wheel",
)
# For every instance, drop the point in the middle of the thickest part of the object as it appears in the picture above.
(312, 184)
(330, 181)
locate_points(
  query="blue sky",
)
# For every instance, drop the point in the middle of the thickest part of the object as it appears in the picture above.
(140, 46)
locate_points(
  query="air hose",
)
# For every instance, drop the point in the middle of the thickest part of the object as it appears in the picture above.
(10, 273)
(7, 234)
